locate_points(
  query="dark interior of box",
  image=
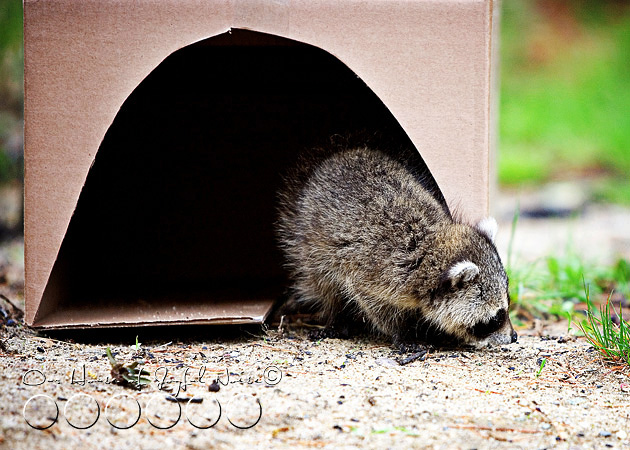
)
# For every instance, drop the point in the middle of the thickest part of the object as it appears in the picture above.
(180, 202)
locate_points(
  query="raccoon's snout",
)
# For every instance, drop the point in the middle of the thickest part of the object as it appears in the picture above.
(502, 336)
(498, 338)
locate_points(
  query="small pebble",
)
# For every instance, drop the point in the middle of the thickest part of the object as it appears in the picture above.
(605, 434)
(621, 435)
(387, 362)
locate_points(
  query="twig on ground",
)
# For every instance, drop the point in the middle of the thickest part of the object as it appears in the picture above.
(163, 345)
(487, 391)
(279, 349)
(280, 330)
(413, 357)
(484, 428)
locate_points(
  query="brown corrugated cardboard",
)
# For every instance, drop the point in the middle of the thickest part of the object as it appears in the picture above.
(155, 133)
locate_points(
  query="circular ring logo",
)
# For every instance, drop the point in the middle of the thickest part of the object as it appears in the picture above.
(201, 410)
(40, 412)
(121, 411)
(160, 412)
(78, 411)
(243, 413)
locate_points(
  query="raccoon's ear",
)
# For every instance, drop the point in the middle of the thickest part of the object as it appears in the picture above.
(488, 226)
(462, 272)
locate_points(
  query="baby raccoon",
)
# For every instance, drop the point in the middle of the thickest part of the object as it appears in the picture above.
(361, 235)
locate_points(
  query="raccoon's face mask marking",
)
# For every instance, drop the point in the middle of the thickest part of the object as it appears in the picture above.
(473, 305)
(485, 328)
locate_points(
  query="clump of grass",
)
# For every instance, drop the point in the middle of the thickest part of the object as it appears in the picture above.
(551, 290)
(543, 362)
(553, 285)
(612, 341)
(128, 375)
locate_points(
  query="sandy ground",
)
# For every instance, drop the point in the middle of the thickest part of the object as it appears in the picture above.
(331, 394)
(286, 391)
(598, 234)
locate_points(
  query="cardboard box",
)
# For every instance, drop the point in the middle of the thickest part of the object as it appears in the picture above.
(156, 133)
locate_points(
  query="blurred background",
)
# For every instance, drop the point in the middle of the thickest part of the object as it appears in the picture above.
(565, 95)
(564, 118)
(11, 117)
(564, 101)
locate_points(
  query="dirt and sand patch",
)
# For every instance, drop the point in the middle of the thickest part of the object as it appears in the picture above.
(302, 393)
(295, 392)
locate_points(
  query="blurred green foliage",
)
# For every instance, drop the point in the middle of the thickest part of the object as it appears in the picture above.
(11, 90)
(565, 94)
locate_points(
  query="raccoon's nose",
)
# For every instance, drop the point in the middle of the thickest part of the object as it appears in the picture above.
(514, 336)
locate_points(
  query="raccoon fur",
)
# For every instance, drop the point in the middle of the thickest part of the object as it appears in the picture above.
(364, 238)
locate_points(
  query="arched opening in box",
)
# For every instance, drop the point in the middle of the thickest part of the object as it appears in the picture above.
(175, 220)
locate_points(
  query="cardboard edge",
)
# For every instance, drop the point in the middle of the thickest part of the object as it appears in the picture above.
(83, 326)
(58, 323)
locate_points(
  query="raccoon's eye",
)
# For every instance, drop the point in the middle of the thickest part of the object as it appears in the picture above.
(483, 329)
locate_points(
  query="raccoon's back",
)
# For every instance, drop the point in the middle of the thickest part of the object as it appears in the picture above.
(350, 214)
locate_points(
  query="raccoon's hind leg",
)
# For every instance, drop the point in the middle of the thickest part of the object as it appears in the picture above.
(342, 321)
(341, 328)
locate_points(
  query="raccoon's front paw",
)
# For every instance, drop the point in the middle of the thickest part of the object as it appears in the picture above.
(405, 346)
(414, 350)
